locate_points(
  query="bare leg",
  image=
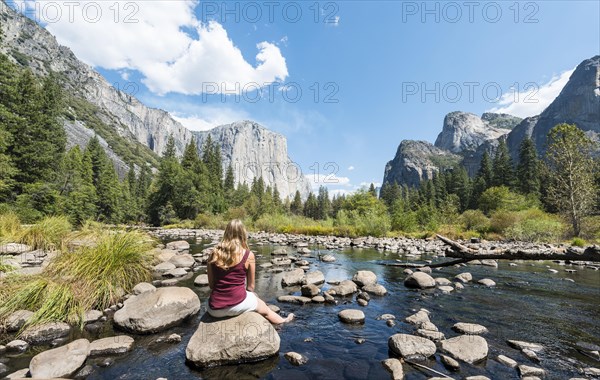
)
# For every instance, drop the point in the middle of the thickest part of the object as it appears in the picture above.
(271, 316)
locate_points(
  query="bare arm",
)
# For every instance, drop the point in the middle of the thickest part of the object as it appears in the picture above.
(250, 272)
(210, 276)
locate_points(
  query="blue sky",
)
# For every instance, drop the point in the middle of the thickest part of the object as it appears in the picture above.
(372, 61)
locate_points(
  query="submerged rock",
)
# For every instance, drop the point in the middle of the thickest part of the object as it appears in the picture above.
(246, 338)
(469, 328)
(521, 345)
(111, 346)
(464, 277)
(526, 370)
(450, 363)
(60, 362)
(411, 347)
(156, 311)
(506, 361)
(294, 299)
(487, 282)
(296, 358)
(394, 367)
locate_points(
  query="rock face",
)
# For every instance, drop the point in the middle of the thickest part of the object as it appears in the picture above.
(60, 362)
(416, 161)
(246, 338)
(156, 311)
(465, 131)
(251, 149)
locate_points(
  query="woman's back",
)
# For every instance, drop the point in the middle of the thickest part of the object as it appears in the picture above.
(229, 285)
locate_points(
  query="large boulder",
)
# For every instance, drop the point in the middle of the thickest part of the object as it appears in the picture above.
(419, 280)
(183, 261)
(60, 362)
(468, 348)
(364, 278)
(411, 347)
(156, 311)
(246, 338)
(344, 288)
(315, 277)
(293, 277)
(45, 333)
(179, 245)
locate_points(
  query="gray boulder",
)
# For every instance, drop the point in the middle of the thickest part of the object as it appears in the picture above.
(46, 332)
(201, 280)
(468, 348)
(156, 311)
(179, 245)
(364, 277)
(351, 316)
(419, 280)
(16, 320)
(183, 261)
(246, 338)
(111, 346)
(376, 289)
(344, 288)
(293, 277)
(60, 362)
(411, 347)
(314, 277)
(143, 287)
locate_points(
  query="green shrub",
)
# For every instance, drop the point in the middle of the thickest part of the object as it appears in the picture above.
(474, 220)
(210, 221)
(578, 242)
(534, 225)
(501, 220)
(10, 227)
(501, 198)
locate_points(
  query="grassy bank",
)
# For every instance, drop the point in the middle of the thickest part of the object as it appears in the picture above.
(94, 269)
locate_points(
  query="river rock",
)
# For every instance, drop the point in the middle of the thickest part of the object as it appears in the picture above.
(464, 277)
(419, 280)
(92, 316)
(468, 348)
(394, 367)
(20, 374)
(424, 269)
(275, 308)
(435, 336)
(530, 355)
(385, 317)
(183, 261)
(490, 263)
(487, 282)
(441, 281)
(295, 358)
(143, 287)
(345, 288)
(364, 277)
(177, 272)
(506, 361)
(279, 252)
(328, 258)
(315, 277)
(246, 338)
(201, 280)
(16, 346)
(281, 261)
(519, 344)
(113, 345)
(352, 316)
(60, 362)
(294, 299)
(164, 267)
(446, 289)
(526, 370)
(450, 363)
(179, 245)
(17, 320)
(166, 255)
(427, 325)
(411, 347)
(418, 318)
(310, 290)
(318, 299)
(293, 277)
(459, 286)
(469, 328)
(156, 311)
(375, 289)
(46, 332)
(591, 371)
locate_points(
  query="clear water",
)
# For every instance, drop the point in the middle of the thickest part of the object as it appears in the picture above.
(529, 303)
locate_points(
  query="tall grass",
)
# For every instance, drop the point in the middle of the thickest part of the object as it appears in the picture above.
(47, 234)
(90, 277)
(10, 227)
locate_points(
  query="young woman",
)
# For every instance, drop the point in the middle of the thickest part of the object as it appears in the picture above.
(231, 273)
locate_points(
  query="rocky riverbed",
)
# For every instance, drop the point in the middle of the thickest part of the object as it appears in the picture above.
(355, 318)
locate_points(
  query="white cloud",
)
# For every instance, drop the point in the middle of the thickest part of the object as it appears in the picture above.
(350, 168)
(158, 39)
(317, 180)
(533, 100)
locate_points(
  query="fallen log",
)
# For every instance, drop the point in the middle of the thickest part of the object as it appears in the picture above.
(459, 251)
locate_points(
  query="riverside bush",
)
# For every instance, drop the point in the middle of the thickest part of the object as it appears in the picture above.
(47, 234)
(535, 225)
(501, 198)
(474, 220)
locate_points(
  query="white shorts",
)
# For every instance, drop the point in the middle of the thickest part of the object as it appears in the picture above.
(250, 303)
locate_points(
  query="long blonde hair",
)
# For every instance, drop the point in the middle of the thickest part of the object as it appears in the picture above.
(225, 254)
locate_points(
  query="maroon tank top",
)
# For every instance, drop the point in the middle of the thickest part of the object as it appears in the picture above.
(229, 286)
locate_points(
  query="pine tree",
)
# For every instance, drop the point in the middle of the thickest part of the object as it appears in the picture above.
(324, 203)
(191, 158)
(528, 169)
(502, 166)
(372, 190)
(337, 203)
(277, 199)
(77, 186)
(460, 185)
(296, 206)
(483, 180)
(161, 199)
(229, 185)
(311, 207)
